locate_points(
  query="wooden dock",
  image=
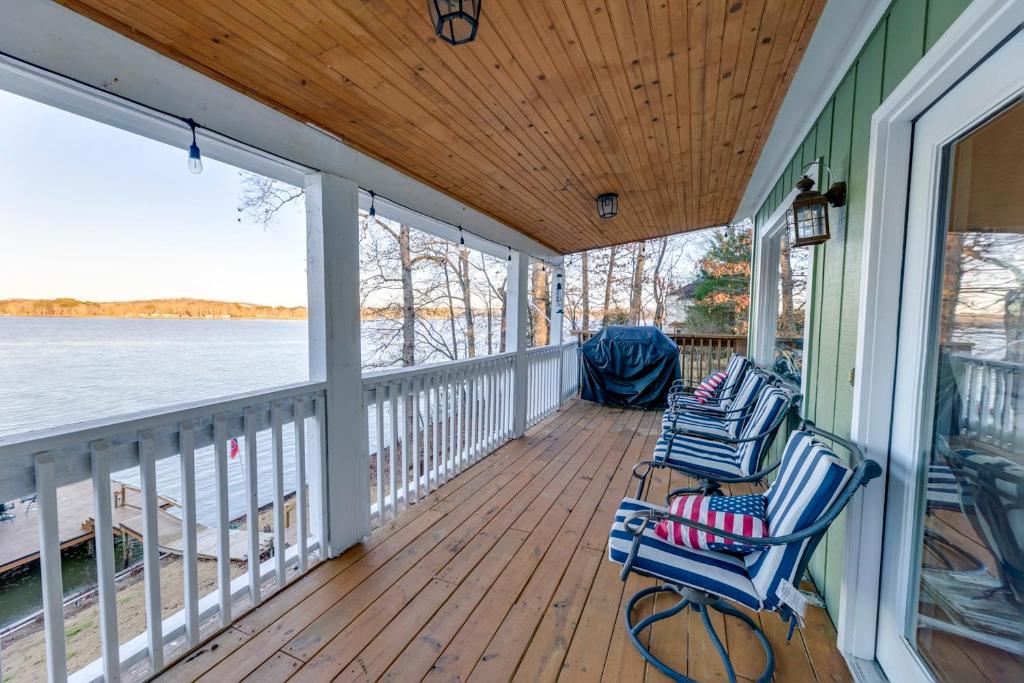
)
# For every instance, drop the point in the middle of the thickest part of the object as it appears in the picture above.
(19, 537)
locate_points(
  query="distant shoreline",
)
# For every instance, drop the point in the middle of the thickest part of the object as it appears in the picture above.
(189, 309)
(179, 309)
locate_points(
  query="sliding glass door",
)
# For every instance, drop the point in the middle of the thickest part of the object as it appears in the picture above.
(953, 582)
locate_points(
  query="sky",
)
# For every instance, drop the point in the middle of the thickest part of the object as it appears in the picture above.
(93, 212)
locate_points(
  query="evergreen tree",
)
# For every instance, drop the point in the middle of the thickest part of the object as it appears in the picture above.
(722, 286)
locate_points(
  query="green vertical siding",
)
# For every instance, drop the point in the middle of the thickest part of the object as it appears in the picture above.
(841, 137)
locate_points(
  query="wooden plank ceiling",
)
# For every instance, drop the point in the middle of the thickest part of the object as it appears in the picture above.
(666, 102)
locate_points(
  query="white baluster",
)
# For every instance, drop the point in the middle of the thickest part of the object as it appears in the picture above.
(301, 525)
(220, 466)
(415, 455)
(151, 550)
(318, 506)
(104, 542)
(435, 435)
(393, 445)
(277, 465)
(189, 550)
(252, 506)
(378, 407)
(50, 567)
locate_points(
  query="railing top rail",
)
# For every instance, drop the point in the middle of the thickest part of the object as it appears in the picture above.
(538, 350)
(396, 374)
(974, 360)
(54, 438)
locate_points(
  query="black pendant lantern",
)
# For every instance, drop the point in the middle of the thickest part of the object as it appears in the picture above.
(455, 21)
(807, 218)
(608, 205)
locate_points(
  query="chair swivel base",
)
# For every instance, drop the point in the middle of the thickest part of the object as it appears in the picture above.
(700, 602)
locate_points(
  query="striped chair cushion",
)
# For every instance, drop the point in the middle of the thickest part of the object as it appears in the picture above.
(746, 397)
(735, 371)
(810, 478)
(703, 455)
(770, 404)
(735, 514)
(720, 573)
(942, 489)
(714, 425)
(708, 387)
(694, 422)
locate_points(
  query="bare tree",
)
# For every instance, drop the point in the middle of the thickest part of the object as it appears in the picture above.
(636, 288)
(540, 306)
(585, 293)
(609, 283)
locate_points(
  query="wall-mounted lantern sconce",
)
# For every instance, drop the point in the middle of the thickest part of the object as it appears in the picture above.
(607, 205)
(808, 216)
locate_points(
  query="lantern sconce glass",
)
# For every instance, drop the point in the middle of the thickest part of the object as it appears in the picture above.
(807, 218)
(455, 21)
(608, 205)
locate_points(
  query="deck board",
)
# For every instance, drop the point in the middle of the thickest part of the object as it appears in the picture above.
(500, 574)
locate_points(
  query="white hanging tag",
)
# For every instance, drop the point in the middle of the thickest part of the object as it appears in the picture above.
(790, 596)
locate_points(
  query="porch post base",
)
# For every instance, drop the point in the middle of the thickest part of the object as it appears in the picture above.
(700, 602)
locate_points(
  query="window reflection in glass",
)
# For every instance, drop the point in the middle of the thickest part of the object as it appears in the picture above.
(789, 330)
(970, 617)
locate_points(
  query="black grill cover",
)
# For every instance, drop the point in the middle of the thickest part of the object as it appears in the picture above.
(629, 366)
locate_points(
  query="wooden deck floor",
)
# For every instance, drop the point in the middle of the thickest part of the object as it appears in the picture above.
(499, 574)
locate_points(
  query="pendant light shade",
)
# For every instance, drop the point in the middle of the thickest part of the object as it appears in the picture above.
(455, 21)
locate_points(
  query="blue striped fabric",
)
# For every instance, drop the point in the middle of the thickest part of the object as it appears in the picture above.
(810, 478)
(711, 424)
(702, 455)
(717, 572)
(770, 405)
(715, 457)
(942, 489)
(734, 373)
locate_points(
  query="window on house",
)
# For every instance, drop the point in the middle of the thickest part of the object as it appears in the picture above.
(788, 348)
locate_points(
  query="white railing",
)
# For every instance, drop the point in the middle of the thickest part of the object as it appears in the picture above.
(991, 400)
(39, 463)
(543, 374)
(423, 426)
(426, 423)
(570, 369)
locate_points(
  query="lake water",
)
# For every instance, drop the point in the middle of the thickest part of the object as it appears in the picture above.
(58, 371)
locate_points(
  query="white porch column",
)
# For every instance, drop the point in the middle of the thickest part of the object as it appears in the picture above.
(517, 308)
(557, 298)
(342, 491)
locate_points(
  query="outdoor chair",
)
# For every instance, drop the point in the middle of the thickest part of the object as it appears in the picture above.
(984, 604)
(812, 488)
(722, 423)
(6, 514)
(717, 460)
(681, 393)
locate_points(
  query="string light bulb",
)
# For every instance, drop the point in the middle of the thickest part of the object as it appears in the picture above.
(462, 240)
(373, 209)
(510, 254)
(195, 159)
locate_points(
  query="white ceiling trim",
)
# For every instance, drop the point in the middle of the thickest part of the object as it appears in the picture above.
(826, 60)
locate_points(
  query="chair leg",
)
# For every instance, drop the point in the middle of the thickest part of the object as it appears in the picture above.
(699, 602)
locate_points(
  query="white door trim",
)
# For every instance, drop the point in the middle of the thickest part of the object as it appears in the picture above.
(979, 30)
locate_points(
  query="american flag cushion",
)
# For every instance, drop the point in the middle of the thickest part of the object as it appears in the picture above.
(709, 386)
(737, 514)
